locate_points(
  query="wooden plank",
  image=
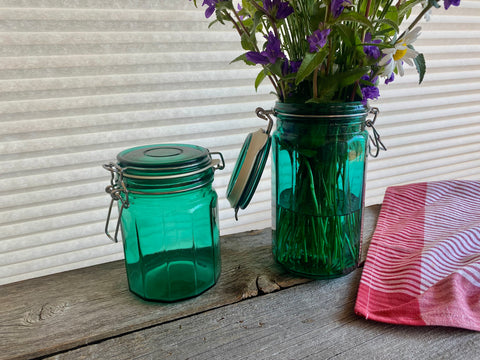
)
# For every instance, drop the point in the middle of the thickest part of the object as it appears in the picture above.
(314, 320)
(64, 311)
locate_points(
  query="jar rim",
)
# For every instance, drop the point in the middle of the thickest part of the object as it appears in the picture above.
(327, 109)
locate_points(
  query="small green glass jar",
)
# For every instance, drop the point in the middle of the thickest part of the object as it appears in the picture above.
(168, 219)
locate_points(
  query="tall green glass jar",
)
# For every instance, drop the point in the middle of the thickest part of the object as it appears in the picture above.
(168, 219)
(318, 178)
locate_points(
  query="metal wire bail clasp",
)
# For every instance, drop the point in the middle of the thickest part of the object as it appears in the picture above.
(115, 189)
(265, 115)
(218, 164)
(375, 140)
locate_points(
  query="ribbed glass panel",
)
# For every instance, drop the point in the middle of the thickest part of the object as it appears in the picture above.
(82, 80)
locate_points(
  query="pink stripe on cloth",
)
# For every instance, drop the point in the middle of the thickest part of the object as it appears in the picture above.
(423, 264)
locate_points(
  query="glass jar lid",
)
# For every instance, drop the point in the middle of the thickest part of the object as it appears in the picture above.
(163, 160)
(250, 165)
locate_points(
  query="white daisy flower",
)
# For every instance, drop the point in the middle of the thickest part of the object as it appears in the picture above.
(395, 57)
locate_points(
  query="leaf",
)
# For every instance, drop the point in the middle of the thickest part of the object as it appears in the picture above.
(309, 64)
(257, 19)
(389, 23)
(346, 34)
(406, 7)
(253, 24)
(355, 17)
(211, 24)
(421, 67)
(349, 77)
(242, 58)
(224, 5)
(260, 77)
(251, 9)
(220, 17)
(248, 42)
(326, 89)
(276, 68)
(392, 15)
(248, 23)
(383, 32)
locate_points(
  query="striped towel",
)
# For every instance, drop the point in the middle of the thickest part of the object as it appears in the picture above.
(423, 264)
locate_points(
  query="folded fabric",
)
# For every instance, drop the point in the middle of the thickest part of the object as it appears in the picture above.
(423, 263)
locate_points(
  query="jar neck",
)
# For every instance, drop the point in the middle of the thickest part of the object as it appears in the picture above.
(333, 110)
(174, 185)
(326, 118)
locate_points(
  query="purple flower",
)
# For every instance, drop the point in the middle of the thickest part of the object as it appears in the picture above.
(318, 39)
(447, 3)
(337, 6)
(271, 53)
(290, 67)
(372, 50)
(239, 7)
(369, 91)
(210, 6)
(257, 58)
(390, 79)
(277, 8)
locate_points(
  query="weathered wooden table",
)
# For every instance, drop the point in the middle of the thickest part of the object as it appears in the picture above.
(256, 311)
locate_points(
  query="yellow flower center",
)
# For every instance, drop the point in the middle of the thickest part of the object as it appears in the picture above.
(400, 53)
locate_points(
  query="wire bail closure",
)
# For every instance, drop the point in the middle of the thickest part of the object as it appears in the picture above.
(265, 115)
(375, 140)
(117, 187)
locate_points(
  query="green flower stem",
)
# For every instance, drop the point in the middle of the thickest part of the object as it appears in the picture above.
(312, 187)
(367, 9)
(226, 13)
(315, 83)
(318, 217)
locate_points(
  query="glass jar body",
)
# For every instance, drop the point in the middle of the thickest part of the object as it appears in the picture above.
(318, 181)
(171, 243)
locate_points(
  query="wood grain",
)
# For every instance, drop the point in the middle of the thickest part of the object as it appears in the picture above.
(57, 313)
(314, 320)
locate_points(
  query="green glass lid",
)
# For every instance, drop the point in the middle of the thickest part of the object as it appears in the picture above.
(165, 158)
(250, 165)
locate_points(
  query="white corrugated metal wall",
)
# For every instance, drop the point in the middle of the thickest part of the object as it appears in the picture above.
(82, 80)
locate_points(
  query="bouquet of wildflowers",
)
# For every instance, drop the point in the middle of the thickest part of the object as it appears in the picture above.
(323, 52)
(326, 50)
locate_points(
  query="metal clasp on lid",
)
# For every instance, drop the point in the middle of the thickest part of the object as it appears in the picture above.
(116, 187)
(265, 115)
(218, 164)
(375, 140)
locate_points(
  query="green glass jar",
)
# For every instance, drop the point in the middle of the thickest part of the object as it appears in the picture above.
(168, 219)
(318, 178)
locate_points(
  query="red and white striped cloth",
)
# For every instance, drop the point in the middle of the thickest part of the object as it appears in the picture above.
(423, 264)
